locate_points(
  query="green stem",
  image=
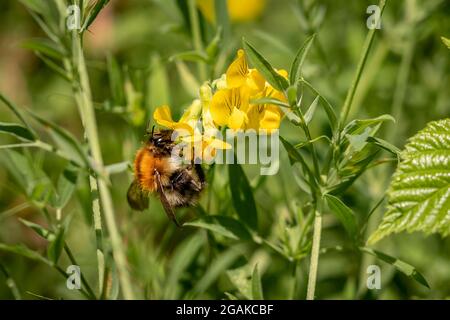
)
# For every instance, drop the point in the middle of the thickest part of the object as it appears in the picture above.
(361, 64)
(196, 36)
(83, 279)
(84, 101)
(314, 256)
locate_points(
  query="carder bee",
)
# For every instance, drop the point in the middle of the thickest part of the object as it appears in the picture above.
(157, 171)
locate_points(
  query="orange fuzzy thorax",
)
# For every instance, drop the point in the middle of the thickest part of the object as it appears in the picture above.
(145, 165)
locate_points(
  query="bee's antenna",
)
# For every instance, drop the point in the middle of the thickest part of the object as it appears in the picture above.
(153, 130)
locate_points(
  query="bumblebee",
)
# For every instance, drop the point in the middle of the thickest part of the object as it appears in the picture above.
(156, 171)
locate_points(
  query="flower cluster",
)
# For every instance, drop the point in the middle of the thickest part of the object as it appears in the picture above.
(232, 101)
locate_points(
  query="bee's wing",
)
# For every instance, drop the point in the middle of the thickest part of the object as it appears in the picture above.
(165, 203)
(137, 199)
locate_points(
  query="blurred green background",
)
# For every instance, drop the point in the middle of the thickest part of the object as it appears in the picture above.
(407, 75)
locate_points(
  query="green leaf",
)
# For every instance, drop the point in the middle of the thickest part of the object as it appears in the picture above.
(33, 181)
(65, 141)
(37, 6)
(222, 17)
(17, 113)
(257, 293)
(419, 193)
(93, 12)
(270, 101)
(296, 67)
(225, 226)
(23, 251)
(45, 47)
(331, 115)
(446, 41)
(158, 83)
(56, 246)
(221, 263)
(385, 145)
(241, 278)
(188, 80)
(183, 256)
(263, 66)
(344, 214)
(242, 196)
(17, 130)
(40, 230)
(192, 55)
(66, 186)
(115, 80)
(402, 266)
(311, 110)
(358, 126)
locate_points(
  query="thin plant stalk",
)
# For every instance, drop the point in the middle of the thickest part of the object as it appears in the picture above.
(361, 64)
(314, 264)
(196, 36)
(84, 101)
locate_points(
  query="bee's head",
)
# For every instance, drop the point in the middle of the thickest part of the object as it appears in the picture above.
(161, 139)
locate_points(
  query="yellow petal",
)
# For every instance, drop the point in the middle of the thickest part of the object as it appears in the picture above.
(255, 82)
(270, 118)
(192, 112)
(245, 10)
(237, 119)
(163, 117)
(253, 117)
(237, 71)
(220, 112)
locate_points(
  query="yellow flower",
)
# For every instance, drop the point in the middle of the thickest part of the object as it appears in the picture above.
(238, 10)
(204, 146)
(187, 122)
(238, 74)
(261, 116)
(229, 107)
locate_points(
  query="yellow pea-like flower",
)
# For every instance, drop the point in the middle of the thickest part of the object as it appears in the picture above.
(229, 107)
(238, 10)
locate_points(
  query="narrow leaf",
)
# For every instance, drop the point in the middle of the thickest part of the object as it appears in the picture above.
(242, 196)
(344, 214)
(263, 66)
(17, 130)
(296, 68)
(257, 292)
(225, 226)
(402, 266)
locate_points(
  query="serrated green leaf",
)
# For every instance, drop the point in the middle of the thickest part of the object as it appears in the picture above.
(419, 193)
(17, 130)
(402, 266)
(226, 226)
(296, 68)
(263, 66)
(344, 214)
(242, 196)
